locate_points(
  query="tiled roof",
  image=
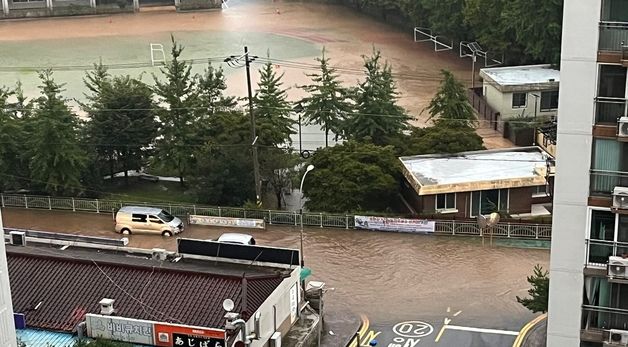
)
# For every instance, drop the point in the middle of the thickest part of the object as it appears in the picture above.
(68, 288)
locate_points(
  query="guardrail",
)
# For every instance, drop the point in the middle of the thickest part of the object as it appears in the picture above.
(612, 36)
(598, 251)
(323, 220)
(597, 317)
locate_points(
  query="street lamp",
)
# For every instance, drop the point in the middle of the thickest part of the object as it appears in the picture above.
(309, 168)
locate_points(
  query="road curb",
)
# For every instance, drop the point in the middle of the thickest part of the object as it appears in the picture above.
(526, 329)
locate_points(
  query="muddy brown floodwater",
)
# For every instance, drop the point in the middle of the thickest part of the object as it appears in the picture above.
(388, 276)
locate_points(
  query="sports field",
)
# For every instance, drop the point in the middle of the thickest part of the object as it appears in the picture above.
(291, 33)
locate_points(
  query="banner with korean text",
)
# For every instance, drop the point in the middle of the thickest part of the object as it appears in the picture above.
(227, 222)
(395, 224)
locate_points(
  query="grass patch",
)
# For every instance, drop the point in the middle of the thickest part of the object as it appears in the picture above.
(146, 191)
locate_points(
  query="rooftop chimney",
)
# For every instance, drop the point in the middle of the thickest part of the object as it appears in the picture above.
(106, 306)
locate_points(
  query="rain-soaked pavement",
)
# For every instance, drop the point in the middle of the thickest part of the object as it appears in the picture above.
(416, 290)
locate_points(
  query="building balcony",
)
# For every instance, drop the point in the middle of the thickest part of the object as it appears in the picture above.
(613, 36)
(608, 110)
(598, 252)
(604, 181)
(598, 322)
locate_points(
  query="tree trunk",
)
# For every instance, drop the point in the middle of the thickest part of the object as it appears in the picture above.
(278, 193)
(326, 136)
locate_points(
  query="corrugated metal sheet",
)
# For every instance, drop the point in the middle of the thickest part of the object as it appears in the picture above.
(38, 338)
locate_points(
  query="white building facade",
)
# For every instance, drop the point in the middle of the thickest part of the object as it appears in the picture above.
(7, 326)
(587, 307)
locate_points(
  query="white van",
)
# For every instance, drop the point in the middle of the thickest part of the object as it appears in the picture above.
(147, 220)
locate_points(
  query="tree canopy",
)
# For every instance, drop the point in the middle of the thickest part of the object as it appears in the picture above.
(539, 292)
(450, 106)
(352, 176)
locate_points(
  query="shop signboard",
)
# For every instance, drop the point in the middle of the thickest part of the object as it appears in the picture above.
(119, 329)
(171, 335)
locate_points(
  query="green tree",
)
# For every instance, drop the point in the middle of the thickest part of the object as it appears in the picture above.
(328, 102)
(353, 177)
(211, 92)
(57, 158)
(272, 111)
(377, 114)
(278, 169)
(122, 122)
(223, 174)
(178, 117)
(538, 27)
(11, 142)
(484, 19)
(438, 139)
(445, 17)
(450, 106)
(539, 293)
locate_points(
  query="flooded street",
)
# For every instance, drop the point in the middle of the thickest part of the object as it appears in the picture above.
(390, 277)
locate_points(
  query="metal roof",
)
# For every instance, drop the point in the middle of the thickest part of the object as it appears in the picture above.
(140, 209)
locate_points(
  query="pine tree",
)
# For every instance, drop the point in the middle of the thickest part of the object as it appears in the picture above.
(539, 293)
(328, 102)
(57, 159)
(272, 111)
(211, 92)
(377, 114)
(178, 117)
(450, 106)
(11, 145)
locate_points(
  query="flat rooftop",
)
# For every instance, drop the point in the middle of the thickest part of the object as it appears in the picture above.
(477, 170)
(540, 76)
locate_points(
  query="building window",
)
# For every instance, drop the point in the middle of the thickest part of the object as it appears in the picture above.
(489, 201)
(446, 201)
(605, 229)
(549, 100)
(539, 191)
(609, 166)
(519, 100)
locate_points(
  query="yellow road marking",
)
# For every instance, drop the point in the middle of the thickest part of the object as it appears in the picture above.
(526, 328)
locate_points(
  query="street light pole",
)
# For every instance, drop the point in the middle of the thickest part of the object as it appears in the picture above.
(309, 168)
(247, 60)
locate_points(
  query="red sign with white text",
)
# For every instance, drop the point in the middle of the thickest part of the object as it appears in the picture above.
(167, 335)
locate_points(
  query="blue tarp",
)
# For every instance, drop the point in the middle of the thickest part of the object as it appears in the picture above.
(36, 338)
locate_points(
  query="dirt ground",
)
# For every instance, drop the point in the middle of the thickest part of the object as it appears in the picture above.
(289, 31)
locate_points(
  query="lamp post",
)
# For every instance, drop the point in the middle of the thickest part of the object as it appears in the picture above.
(309, 168)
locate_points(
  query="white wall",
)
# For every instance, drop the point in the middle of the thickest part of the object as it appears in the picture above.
(280, 299)
(7, 326)
(578, 80)
(502, 103)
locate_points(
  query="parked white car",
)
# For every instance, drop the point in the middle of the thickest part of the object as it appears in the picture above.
(241, 239)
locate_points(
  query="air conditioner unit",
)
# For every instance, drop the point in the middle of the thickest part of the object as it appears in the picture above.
(18, 238)
(617, 338)
(622, 129)
(620, 198)
(617, 267)
(275, 339)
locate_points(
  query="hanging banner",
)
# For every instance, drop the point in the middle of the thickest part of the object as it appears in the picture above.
(227, 222)
(395, 224)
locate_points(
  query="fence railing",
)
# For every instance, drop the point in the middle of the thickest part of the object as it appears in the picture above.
(484, 110)
(597, 317)
(604, 181)
(609, 109)
(323, 220)
(613, 36)
(598, 251)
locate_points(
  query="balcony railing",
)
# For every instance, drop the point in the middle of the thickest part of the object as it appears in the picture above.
(598, 251)
(596, 317)
(613, 36)
(604, 181)
(608, 109)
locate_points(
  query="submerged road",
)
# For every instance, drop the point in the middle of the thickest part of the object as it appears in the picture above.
(414, 290)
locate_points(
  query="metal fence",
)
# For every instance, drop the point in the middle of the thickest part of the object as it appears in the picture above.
(323, 220)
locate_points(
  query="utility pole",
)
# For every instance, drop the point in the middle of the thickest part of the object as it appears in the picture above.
(248, 60)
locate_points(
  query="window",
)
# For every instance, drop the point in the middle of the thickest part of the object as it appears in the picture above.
(606, 228)
(612, 81)
(610, 159)
(489, 201)
(167, 217)
(539, 191)
(519, 100)
(155, 220)
(446, 201)
(136, 217)
(549, 100)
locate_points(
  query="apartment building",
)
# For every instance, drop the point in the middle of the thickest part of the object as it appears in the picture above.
(589, 270)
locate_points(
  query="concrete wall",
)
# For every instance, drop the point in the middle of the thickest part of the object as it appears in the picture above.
(275, 311)
(502, 103)
(578, 78)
